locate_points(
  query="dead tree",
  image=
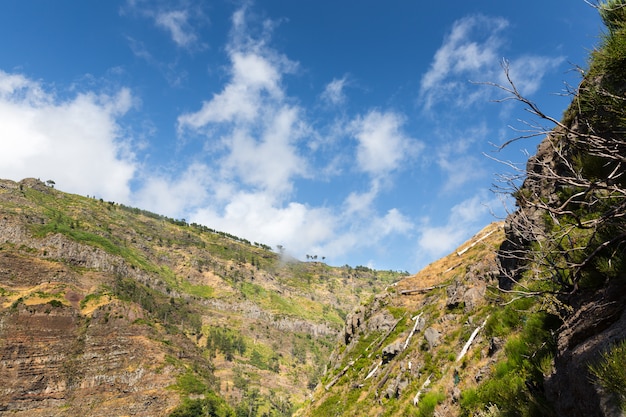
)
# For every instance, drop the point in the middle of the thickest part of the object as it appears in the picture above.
(569, 227)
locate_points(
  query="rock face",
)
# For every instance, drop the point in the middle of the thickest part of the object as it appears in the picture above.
(432, 337)
(52, 358)
(598, 316)
(57, 360)
(598, 323)
(371, 316)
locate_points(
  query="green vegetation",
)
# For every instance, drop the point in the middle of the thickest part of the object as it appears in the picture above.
(211, 405)
(428, 403)
(189, 383)
(225, 341)
(56, 303)
(613, 14)
(170, 311)
(569, 243)
(515, 386)
(93, 297)
(202, 291)
(173, 280)
(585, 230)
(610, 372)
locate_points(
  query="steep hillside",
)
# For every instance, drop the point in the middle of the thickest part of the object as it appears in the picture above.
(566, 241)
(531, 321)
(421, 342)
(109, 310)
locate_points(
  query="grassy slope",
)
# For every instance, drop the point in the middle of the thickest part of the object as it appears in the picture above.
(287, 314)
(353, 394)
(511, 351)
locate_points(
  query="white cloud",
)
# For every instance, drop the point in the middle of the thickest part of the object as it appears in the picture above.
(459, 159)
(78, 143)
(393, 222)
(471, 49)
(357, 231)
(271, 161)
(464, 220)
(382, 145)
(254, 84)
(527, 72)
(180, 19)
(171, 71)
(174, 196)
(259, 128)
(176, 22)
(460, 170)
(258, 144)
(361, 203)
(259, 217)
(334, 91)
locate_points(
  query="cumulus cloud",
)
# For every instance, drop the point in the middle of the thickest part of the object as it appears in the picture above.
(173, 196)
(271, 161)
(257, 126)
(360, 203)
(77, 142)
(254, 137)
(259, 217)
(260, 144)
(382, 145)
(473, 51)
(254, 84)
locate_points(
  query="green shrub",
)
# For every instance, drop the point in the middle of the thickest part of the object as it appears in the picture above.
(209, 406)
(189, 383)
(226, 341)
(16, 303)
(503, 321)
(613, 14)
(55, 303)
(428, 403)
(515, 385)
(610, 371)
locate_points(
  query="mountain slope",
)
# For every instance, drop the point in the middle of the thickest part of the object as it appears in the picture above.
(548, 335)
(403, 352)
(111, 310)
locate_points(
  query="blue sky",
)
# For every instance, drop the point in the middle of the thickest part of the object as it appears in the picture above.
(349, 130)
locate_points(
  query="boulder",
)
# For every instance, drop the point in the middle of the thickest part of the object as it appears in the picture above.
(391, 351)
(432, 336)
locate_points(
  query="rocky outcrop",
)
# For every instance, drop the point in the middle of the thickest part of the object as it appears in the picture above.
(400, 354)
(53, 359)
(594, 318)
(358, 318)
(598, 322)
(432, 336)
